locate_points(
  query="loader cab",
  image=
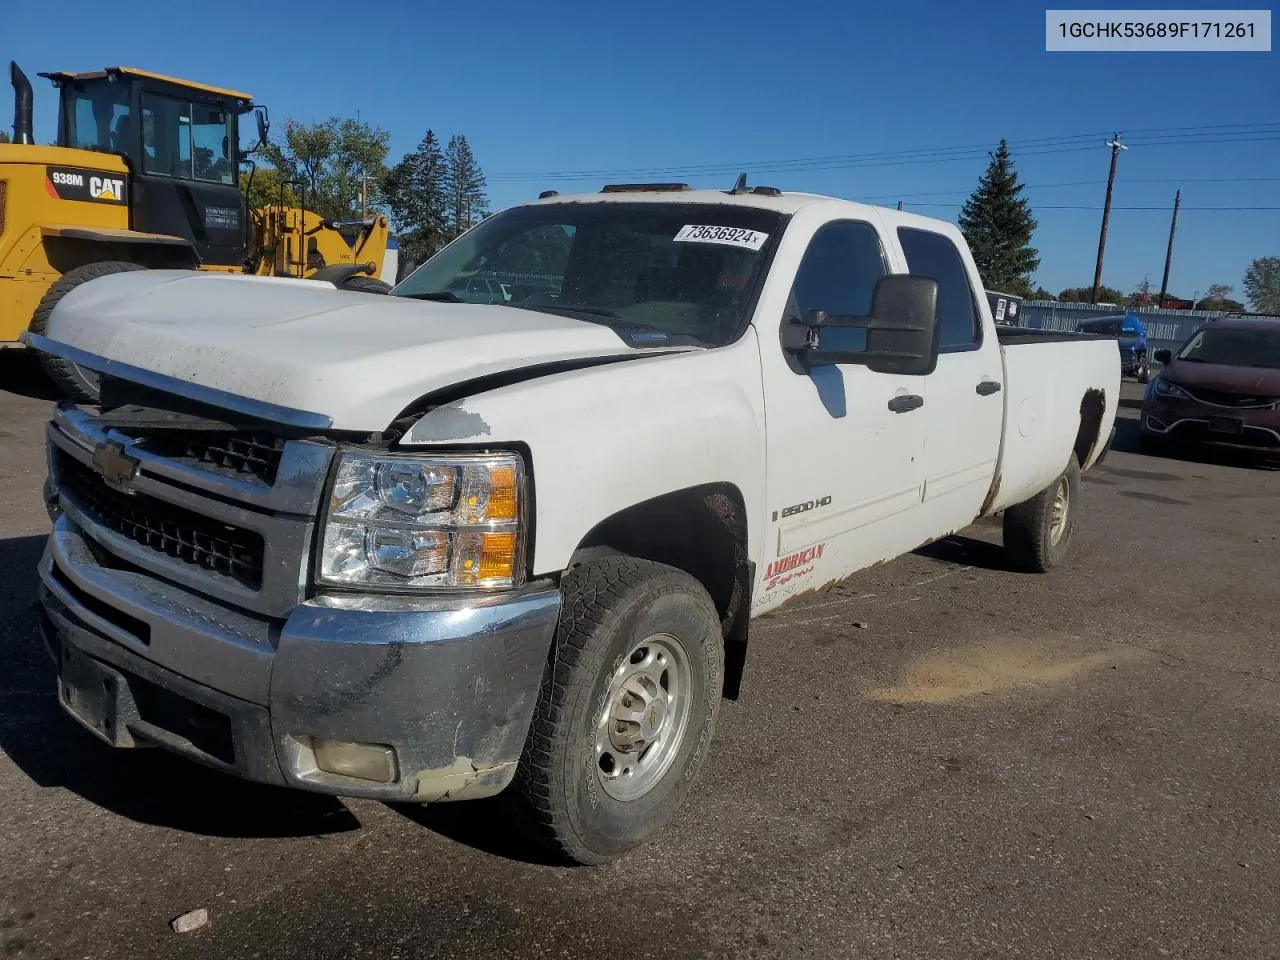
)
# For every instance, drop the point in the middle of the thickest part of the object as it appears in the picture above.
(180, 141)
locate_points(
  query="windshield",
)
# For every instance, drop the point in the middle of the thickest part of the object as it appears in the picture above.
(1105, 328)
(1235, 348)
(98, 118)
(191, 141)
(684, 270)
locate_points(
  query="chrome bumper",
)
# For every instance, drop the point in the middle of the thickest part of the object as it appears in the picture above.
(449, 685)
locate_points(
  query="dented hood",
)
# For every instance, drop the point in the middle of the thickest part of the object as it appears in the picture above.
(358, 359)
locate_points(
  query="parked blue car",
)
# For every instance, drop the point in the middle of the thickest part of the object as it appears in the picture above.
(1131, 333)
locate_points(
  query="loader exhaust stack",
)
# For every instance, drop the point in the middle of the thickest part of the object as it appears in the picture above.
(22, 122)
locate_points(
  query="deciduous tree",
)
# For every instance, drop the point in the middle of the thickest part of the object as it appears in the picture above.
(1082, 295)
(1262, 285)
(338, 162)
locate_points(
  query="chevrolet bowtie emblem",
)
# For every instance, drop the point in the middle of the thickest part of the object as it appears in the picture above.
(116, 467)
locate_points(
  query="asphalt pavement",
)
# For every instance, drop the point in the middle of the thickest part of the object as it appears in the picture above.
(938, 758)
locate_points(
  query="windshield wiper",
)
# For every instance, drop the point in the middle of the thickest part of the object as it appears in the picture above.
(440, 296)
(591, 312)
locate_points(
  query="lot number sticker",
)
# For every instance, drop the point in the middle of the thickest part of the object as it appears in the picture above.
(728, 236)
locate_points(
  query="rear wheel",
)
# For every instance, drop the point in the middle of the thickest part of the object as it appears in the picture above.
(1038, 531)
(627, 709)
(359, 284)
(74, 381)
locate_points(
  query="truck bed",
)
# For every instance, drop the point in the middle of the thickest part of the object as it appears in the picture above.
(1061, 395)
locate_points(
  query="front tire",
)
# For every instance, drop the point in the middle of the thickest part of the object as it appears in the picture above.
(74, 381)
(1038, 531)
(359, 284)
(627, 709)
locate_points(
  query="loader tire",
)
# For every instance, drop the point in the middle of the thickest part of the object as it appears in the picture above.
(1038, 531)
(74, 381)
(627, 709)
(358, 284)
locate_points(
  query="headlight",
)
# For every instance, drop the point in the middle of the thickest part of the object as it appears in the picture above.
(424, 520)
(1163, 388)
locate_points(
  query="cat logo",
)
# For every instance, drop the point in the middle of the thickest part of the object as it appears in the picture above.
(88, 186)
(105, 188)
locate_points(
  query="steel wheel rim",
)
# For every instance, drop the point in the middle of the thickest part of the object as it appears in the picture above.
(1060, 510)
(645, 719)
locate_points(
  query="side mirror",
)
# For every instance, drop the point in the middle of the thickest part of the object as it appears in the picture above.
(901, 330)
(1162, 356)
(264, 126)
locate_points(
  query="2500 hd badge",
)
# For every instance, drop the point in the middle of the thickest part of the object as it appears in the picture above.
(70, 183)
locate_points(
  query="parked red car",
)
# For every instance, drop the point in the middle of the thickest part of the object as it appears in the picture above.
(1223, 387)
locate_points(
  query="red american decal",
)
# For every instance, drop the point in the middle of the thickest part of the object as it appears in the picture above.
(788, 568)
(797, 559)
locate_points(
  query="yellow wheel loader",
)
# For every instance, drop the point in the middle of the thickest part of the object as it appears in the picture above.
(145, 175)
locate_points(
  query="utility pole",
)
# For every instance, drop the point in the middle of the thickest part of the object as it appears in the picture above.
(1116, 146)
(1168, 257)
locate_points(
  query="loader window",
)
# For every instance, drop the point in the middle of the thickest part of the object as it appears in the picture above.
(98, 118)
(190, 141)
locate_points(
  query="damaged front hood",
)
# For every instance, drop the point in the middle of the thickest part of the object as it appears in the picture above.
(356, 359)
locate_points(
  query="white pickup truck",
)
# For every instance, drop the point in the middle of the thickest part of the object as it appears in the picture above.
(417, 548)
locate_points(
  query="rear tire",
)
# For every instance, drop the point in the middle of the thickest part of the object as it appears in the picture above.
(1038, 531)
(74, 381)
(359, 284)
(627, 709)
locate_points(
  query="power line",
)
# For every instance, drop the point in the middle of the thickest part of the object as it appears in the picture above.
(1165, 209)
(1156, 136)
(1073, 183)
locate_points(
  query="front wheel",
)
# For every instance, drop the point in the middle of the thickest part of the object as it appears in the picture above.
(359, 284)
(1038, 531)
(74, 381)
(627, 708)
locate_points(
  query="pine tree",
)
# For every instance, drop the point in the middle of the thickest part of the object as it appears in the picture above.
(415, 190)
(998, 225)
(464, 185)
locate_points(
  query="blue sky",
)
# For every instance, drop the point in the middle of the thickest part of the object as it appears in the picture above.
(570, 87)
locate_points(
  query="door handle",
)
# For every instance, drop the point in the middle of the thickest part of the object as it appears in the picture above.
(988, 387)
(906, 402)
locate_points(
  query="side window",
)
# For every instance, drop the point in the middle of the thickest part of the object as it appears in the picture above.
(838, 275)
(935, 256)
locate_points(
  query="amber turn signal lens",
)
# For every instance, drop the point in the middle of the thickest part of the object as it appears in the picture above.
(497, 556)
(503, 504)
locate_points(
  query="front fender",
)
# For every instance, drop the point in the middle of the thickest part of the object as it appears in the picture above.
(606, 438)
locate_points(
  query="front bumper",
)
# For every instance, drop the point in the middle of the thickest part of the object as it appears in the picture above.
(1192, 422)
(449, 685)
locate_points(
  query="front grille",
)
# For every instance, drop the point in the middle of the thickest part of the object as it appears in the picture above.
(165, 528)
(4, 186)
(238, 455)
(1244, 400)
(1200, 432)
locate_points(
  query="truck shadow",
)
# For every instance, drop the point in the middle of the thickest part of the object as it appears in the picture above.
(20, 373)
(485, 825)
(967, 552)
(146, 786)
